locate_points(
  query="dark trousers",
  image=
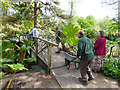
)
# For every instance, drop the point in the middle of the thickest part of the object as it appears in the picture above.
(85, 69)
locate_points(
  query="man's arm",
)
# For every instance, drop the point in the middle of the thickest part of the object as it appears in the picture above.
(54, 38)
(80, 48)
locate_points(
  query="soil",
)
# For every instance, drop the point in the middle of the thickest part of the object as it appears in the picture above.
(31, 79)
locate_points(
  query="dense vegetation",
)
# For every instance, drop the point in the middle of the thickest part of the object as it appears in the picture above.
(48, 15)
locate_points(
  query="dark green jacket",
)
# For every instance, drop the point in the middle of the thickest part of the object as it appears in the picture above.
(85, 49)
(58, 32)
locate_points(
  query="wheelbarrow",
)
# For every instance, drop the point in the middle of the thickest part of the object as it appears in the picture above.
(69, 58)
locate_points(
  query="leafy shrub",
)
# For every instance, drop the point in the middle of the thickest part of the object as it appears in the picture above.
(70, 32)
(111, 67)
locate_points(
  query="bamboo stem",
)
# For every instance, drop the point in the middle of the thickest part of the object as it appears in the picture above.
(10, 80)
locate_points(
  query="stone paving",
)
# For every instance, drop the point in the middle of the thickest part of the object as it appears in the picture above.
(68, 78)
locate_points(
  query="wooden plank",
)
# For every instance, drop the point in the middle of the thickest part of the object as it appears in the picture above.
(42, 49)
(39, 57)
(49, 56)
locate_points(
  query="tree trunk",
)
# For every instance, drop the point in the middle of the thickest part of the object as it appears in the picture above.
(35, 13)
(71, 12)
(71, 8)
(4, 10)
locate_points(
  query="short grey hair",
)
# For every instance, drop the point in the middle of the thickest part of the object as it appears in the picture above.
(81, 32)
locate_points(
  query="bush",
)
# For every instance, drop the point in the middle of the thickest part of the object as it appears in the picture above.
(111, 67)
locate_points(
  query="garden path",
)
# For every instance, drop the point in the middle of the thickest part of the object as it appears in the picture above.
(68, 78)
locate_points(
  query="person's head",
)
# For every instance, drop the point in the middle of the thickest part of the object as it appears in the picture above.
(80, 33)
(31, 29)
(36, 26)
(101, 33)
(56, 27)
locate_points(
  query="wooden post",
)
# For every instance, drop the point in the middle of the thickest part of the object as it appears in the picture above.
(30, 48)
(19, 38)
(49, 57)
(36, 44)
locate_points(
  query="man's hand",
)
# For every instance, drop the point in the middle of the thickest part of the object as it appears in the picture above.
(54, 39)
(77, 59)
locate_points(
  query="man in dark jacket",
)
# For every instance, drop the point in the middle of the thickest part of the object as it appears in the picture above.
(85, 53)
(58, 37)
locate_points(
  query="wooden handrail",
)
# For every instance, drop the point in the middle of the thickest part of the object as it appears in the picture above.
(49, 42)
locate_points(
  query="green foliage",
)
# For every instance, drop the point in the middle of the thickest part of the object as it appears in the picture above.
(9, 52)
(111, 67)
(70, 32)
(10, 29)
(6, 44)
(110, 44)
(109, 26)
(17, 67)
(87, 22)
(3, 66)
(5, 60)
(24, 8)
(23, 48)
(7, 47)
(31, 59)
(2, 75)
(89, 26)
(28, 25)
(49, 81)
(27, 42)
(105, 25)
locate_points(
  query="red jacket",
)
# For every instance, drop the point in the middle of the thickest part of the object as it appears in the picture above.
(99, 47)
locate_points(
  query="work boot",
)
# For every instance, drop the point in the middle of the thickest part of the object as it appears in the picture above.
(84, 82)
(57, 52)
(90, 78)
(90, 75)
(60, 49)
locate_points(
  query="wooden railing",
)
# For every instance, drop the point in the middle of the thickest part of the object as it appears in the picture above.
(41, 48)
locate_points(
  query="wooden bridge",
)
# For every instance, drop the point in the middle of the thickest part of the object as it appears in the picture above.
(41, 49)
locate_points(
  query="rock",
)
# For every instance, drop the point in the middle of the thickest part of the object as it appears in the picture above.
(42, 72)
(38, 85)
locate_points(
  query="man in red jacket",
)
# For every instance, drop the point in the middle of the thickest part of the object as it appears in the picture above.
(100, 51)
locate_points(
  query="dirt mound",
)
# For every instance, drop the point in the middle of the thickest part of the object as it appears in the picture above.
(31, 79)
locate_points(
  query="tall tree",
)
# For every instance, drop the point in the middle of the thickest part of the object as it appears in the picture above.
(73, 3)
(43, 11)
(44, 14)
(116, 6)
(35, 13)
